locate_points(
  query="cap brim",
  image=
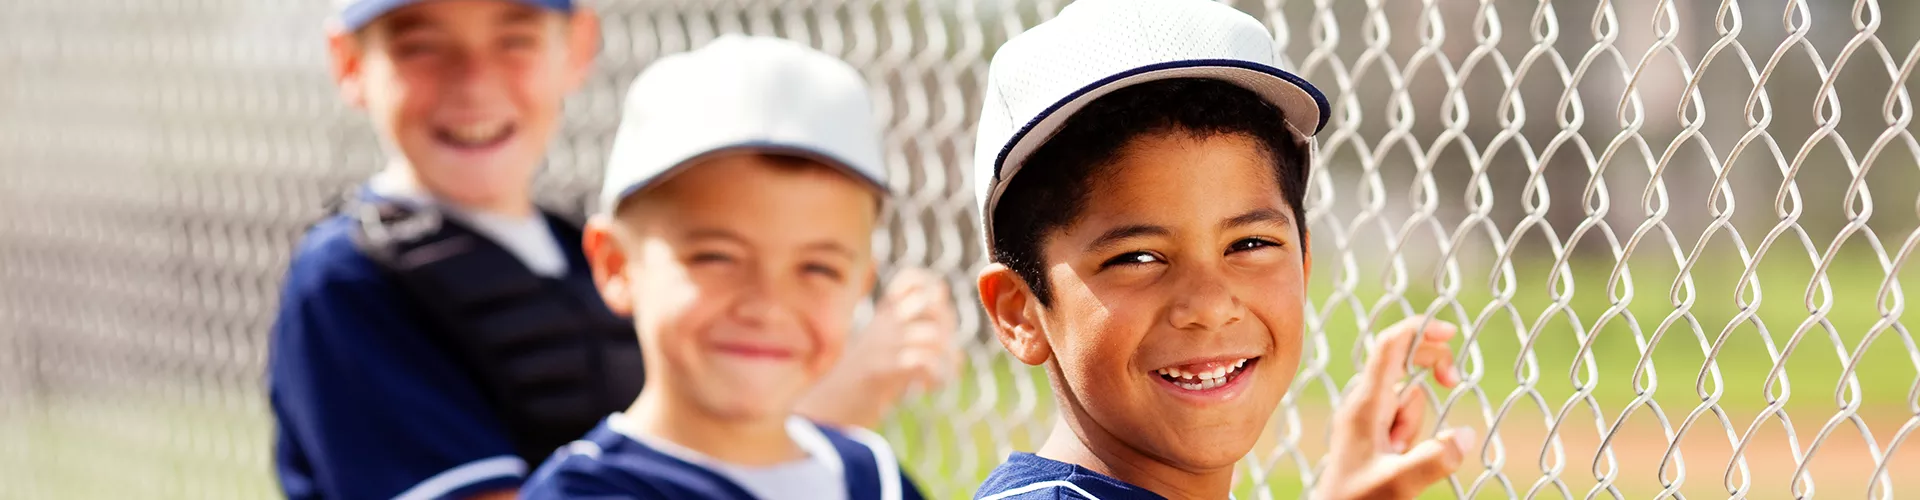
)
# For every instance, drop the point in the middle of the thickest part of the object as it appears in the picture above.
(1301, 104)
(359, 14)
(755, 147)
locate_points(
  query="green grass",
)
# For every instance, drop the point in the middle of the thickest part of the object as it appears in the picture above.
(138, 445)
(951, 453)
(166, 445)
(1886, 371)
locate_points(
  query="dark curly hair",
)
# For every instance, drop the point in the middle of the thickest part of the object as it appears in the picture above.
(1053, 188)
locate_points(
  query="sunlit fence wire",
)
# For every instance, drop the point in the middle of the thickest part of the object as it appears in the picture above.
(1654, 219)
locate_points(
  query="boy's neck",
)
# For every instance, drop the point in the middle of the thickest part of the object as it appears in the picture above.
(1092, 447)
(747, 442)
(401, 177)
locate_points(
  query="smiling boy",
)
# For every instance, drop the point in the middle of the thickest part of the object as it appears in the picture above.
(441, 335)
(1141, 166)
(737, 229)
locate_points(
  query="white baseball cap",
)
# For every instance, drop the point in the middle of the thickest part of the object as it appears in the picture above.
(356, 14)
(743, 94)
(1094, 47)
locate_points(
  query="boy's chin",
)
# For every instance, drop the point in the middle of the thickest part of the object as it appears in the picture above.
(749, 402)
(735, 407)
(1206, 450)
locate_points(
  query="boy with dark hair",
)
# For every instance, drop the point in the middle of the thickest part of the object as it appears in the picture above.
(1141, 169)
(737, 229)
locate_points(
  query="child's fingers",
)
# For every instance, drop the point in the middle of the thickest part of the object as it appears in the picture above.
(911, 280)
(1438, 357)
(1408, 418)
(929, 366)
(1389, 354)
(1432, 460)
(911, 305)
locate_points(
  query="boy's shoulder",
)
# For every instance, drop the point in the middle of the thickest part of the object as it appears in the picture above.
(327, 256)
(609, 462)
(1025, 476)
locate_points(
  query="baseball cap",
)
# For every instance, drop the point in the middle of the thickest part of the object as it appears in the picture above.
(1094, 47)
(742, 94)
(356, 14)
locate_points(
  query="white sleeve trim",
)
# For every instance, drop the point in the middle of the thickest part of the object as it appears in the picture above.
(883, 457)
(1041, 486)
(465, 475)
(808, 437)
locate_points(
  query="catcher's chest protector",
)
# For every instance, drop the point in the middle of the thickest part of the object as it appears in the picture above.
(545, 352)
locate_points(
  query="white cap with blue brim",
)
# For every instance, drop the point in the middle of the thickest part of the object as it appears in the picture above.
(1094, 47)
(741, 94)
(356, 14)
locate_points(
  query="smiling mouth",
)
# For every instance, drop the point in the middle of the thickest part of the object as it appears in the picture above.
(477, 136)
(1201, 377)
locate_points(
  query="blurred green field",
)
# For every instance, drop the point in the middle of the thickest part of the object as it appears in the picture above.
(194, 442)
(951, 461)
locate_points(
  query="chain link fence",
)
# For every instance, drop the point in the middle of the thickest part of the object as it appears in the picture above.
(1654, 219)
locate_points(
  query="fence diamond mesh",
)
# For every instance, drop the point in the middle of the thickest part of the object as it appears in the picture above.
(1654, 219)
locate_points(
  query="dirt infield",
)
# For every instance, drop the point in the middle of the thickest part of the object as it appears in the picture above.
(1840, 468)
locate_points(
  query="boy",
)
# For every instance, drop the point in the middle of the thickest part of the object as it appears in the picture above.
(737, 224)
(1140, 167)
(441, 334)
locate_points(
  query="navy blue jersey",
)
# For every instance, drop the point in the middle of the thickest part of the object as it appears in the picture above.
(608, 464)
(366, 404)
(1026, 476)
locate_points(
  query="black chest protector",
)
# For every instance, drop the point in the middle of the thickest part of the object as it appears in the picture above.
(546, 353)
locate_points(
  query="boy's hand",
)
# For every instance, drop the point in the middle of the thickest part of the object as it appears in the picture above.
(908, 344)
(1373, 454)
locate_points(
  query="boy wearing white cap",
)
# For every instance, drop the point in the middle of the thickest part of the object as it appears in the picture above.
(1141, 166)
(440, 335)
(736, 227)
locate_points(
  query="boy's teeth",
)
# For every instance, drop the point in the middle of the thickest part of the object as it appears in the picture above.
(477, 133)
(1200, 381)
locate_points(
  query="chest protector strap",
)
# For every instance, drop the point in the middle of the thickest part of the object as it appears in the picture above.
(546, 353)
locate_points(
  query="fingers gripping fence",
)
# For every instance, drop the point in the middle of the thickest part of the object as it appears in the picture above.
(1605, 195)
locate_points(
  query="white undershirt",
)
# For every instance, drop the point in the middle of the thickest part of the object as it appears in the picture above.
(817, 476)
(528, 238)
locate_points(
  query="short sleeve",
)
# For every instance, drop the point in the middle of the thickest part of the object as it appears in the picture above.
(366, 405)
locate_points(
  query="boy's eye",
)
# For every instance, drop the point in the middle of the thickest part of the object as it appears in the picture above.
(823, 270)
(415, 49)
(518, 42)
(710, 258)
(1131, 259)
(1251, 244)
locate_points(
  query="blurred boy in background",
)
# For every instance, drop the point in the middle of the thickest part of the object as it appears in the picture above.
(441, 334)
(737, 229)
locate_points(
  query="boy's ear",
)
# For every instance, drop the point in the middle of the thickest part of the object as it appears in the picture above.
(583, 45)
(1306, 255)
(872, 278)
(344, 54)
(1014, 313)
(608, 259)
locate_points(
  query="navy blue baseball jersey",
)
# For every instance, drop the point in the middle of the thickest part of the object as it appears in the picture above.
(366, 404)
(615, 462)
(1026, 476)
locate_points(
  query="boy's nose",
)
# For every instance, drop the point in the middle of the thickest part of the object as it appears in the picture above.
(1203, 301)
(474, 76)
(761, 305)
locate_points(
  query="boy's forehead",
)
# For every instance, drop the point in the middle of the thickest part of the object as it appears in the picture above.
(1231, 170)
(757, 187)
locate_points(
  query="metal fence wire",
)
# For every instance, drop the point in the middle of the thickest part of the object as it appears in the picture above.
(1654, 220)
